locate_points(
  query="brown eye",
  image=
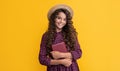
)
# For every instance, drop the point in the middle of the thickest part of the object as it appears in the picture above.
(64, 19)
(58, 17)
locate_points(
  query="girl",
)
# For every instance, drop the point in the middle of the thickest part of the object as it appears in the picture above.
(60, 29)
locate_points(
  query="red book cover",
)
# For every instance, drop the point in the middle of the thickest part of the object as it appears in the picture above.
(61, 47)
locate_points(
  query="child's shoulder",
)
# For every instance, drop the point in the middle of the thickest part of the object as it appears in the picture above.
(44, 35)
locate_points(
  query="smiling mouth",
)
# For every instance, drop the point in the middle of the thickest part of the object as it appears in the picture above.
(60, 24)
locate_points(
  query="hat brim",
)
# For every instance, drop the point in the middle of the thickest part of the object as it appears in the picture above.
(59, 6)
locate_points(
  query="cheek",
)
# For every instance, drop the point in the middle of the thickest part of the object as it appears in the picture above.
(65, 22)
(57, 20)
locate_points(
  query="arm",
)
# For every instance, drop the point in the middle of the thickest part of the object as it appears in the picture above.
(43, 59)
(65, 62)
(46, 60)
(57, 55)
(77, 53)
(73, 54)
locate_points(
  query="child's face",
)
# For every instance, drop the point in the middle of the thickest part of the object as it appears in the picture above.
(60, 21)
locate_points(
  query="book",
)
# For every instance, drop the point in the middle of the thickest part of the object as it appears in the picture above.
(61, 47)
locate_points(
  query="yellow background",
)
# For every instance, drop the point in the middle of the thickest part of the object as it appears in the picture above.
(23, 22)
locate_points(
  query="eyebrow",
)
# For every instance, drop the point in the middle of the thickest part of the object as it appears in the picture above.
(60, 16)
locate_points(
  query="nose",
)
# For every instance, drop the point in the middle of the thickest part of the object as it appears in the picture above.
(62, 20)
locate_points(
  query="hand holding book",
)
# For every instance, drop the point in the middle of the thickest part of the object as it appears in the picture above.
(58, 49)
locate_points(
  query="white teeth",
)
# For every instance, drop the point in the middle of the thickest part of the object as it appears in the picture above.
(60, 24)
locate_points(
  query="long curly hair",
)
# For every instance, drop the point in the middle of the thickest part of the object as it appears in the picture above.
(68, 31)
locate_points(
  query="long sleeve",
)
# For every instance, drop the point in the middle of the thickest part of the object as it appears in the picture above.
(77, 53)
(43, 59)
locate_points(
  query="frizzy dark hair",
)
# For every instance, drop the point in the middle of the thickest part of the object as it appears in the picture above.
(68, 31)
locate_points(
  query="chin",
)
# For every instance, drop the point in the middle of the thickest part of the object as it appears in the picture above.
(60, 28)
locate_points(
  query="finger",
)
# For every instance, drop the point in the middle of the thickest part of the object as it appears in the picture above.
(52, 52)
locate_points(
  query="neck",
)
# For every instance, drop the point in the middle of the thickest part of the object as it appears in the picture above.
(58, 30)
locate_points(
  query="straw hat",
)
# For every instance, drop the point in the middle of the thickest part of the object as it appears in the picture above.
(59, 6)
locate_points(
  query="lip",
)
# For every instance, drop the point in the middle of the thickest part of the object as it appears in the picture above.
(60, 24)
